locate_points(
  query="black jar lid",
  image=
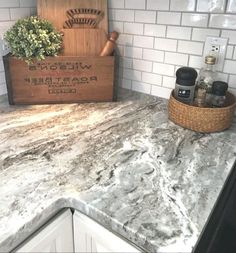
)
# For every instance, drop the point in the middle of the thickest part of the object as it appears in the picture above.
(219, 88)
(186, 76)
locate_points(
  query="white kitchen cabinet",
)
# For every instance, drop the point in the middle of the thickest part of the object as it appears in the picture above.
(89, 236)
(74, 233)
(55, 236)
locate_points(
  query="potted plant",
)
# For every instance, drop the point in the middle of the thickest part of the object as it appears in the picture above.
(33, 39)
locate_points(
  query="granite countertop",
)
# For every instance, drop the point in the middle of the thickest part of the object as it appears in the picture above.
(124, 164)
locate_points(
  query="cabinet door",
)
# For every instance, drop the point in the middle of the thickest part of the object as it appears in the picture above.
(55, 236)
(89, 236)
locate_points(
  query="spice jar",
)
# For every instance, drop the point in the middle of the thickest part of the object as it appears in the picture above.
(219, 90)
(185, 84)
(205, 80)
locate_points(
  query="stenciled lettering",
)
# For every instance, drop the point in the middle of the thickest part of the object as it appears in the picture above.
(60, 66)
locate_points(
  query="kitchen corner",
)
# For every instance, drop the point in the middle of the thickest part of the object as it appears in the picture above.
(123, 164)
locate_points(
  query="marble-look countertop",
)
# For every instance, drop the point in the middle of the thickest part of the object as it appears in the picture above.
(124, 164)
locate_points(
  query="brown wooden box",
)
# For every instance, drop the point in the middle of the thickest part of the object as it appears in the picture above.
(62, 79)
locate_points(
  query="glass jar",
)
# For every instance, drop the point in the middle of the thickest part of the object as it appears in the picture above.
(206, 78)
(219, 90)
(185, 84)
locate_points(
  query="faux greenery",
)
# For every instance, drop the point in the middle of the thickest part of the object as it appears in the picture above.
(33, 38)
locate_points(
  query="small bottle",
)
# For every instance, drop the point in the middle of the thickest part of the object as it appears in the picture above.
(206, 78)
(185, 84)
(219, 90)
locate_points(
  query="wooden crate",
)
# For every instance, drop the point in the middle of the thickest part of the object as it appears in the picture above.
(62, 79)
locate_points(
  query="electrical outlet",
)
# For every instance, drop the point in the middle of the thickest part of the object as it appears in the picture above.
(217, 47)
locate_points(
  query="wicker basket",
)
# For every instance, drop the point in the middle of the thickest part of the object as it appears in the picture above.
(204, 120)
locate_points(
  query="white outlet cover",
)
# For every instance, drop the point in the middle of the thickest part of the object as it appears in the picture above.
(222, 43)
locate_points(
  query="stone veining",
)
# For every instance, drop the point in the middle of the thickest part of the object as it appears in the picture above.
(124, 164)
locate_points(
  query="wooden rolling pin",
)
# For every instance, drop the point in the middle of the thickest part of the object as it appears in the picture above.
(110, 45)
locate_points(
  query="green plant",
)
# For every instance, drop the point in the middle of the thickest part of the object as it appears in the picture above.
(33, 38)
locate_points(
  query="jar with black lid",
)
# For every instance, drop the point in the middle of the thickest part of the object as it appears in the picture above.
(185, 84)
(219, 90)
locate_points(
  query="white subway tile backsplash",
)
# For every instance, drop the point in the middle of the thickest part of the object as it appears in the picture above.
(153, 55)
(155, 30)
(27, 3)
(1, 65)
(126, 62)
(158, 4)
(9, 3)
(163, 69)
(229, 52)
(116, 26)
(233, 91)
(232, 81)
(159, 36)
(230, 67)
(125, 39)
(145, 16)
(200, 34)
(166, 44)
(176, 58)
(119, 50)
(211, 5)
(223, 21)
(121, 15)
(3, 89)
(142, 65)
(182, 5)
(234, 55)
(132, 74)
(190, 47)
(135, 4)
(4, 14)
(152, 78)
(127, 84)
(193, 19)
(222, 77)
(141, 87)
(169, 18)
(33, 11)
(5, 25)
(133, 28)
(169, 82)
(229, 34)
(161, 91)
(17, 13)
(133, 52)
(179, 32)
(231, 7)
(119, 4)
(2, 78)
(143, 41)
(196, 61)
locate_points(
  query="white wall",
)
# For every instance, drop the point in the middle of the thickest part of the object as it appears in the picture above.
(159, 36)
(10, 11)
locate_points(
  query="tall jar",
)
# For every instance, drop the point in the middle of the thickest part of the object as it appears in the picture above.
(185, 84)
(205, 80)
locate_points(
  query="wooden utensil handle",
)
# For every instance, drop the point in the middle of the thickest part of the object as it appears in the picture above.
(110, 45)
